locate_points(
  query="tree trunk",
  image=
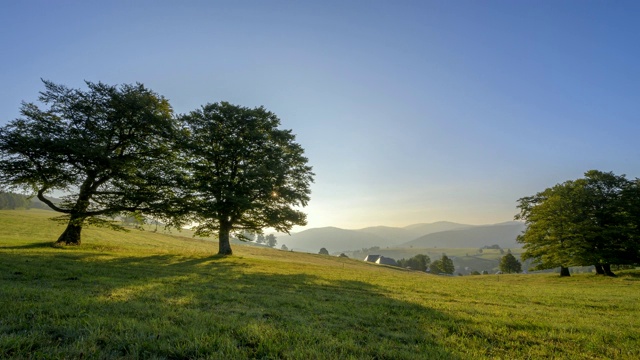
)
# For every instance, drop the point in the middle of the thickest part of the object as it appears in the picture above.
(224, 247)
(607, 270)
(599, 269)
(71, 235)
(564, 271)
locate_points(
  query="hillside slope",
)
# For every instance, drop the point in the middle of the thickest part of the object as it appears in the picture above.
(392, 235)
(423, 229)
(332, 238)
(337, 240)
(150, 295)
(473, 237)
(399, 235)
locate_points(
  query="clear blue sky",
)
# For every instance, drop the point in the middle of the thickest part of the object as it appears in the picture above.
(409, 111)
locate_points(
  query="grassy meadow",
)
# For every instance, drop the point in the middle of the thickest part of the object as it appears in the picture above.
(145, 295)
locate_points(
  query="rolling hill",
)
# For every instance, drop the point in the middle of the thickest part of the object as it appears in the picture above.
(332, 238)
(423, 229)
(439, 234)
(399, 235)
(503, 234)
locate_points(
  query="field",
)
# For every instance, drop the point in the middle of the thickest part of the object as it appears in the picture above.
(145, 295)
(466, 260)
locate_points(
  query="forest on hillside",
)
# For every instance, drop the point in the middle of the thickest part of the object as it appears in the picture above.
(13, 201)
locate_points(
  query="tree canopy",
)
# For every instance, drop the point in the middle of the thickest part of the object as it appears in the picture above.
(444, 265)
(120, 151)
(509, 264)
(107, 148)
(242, 172)
(418, 262)
(589, 221)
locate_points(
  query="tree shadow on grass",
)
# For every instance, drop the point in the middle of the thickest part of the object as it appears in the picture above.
(36, 245)
(167, 306)
(630, 275)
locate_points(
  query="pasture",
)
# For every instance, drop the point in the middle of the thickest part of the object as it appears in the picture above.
(145, 295)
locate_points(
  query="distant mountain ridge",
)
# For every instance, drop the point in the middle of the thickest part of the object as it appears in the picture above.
(503, 234)
(438, 234)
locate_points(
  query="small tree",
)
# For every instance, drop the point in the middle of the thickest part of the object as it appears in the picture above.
(447, 265)
(444, 265)
(436, 267)
(284, 247)
(323, 251)
(243, 173)
(509, 264)
(271, 240)
(260, 239)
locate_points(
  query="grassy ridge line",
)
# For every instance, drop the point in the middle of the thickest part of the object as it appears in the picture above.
(146, 295)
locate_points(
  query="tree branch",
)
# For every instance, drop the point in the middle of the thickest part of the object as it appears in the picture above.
(49, 203)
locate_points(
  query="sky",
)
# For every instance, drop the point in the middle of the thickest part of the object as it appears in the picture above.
(409, 111)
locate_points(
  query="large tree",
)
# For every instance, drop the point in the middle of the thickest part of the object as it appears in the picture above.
(630, 251)
(607, 214)
(588, 221)
(243, 172)
(552, 217)
(106, 149)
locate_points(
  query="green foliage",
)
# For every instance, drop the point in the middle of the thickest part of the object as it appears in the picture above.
(509, 264)
(108, 148)
(271, 240)
(589, 221)
(323, 251)
(444, 265)
(419, 262)
(243, 173)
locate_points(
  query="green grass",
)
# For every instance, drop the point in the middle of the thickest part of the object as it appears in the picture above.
(143, 295)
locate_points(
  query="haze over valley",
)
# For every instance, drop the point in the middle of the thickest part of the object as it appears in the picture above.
(441, 234)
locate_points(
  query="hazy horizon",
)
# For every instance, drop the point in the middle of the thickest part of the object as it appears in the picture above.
(409, 111)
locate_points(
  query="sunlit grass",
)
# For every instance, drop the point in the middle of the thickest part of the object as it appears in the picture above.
(145, 295)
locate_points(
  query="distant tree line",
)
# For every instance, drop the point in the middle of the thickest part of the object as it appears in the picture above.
(419, 262)
(120, 150)
(269, 240)
(13, 201)
(594, 220)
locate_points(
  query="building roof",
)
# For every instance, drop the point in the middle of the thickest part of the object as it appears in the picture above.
(372, 258)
